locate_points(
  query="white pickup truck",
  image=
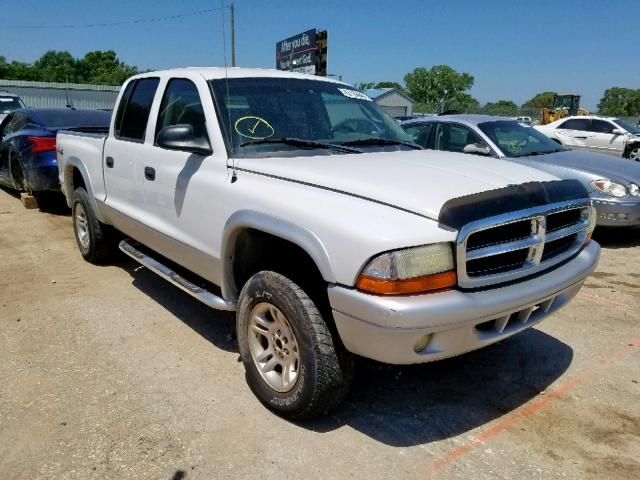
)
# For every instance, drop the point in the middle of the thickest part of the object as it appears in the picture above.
(297, 203)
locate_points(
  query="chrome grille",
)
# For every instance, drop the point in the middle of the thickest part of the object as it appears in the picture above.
(518, 244)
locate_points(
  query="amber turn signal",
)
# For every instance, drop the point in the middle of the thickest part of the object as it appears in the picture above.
(428, 283)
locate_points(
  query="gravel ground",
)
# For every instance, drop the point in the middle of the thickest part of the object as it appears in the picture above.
(109, 372)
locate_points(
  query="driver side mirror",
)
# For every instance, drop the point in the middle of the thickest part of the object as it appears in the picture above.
(618, 131)
(477, 149)
(182, 138)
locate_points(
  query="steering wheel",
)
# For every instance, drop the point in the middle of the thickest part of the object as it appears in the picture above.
(355, 125)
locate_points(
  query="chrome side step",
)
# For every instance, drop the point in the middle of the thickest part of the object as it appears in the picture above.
(205, 296)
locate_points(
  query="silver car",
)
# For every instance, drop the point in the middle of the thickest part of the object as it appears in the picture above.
(613, 183)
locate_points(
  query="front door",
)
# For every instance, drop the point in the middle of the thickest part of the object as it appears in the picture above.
(603, 139)
(181, 189)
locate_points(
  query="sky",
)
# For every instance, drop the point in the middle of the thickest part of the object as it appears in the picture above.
(514, 49)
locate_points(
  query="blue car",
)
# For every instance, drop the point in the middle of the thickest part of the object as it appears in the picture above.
(28, 144)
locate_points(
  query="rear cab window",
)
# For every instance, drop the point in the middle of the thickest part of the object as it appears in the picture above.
(133, 112)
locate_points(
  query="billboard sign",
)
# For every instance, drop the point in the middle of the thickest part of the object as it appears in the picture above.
(297, 53)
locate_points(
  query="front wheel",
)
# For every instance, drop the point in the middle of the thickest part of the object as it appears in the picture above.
(634, 154)
(293, 365)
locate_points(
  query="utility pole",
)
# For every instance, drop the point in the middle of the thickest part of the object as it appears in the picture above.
(233, 36)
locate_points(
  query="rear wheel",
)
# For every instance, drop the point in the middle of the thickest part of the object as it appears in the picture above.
(17, 174)
(91, 235)
(293, 365)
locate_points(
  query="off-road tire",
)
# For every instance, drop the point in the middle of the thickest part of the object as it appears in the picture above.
(100, 245)
(325, 369)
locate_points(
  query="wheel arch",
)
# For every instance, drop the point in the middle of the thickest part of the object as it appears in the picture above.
(244, 222)
(629, 147)
(74, 171)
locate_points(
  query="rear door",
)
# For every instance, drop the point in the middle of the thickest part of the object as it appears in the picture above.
(124, 158)
(603, 140)
(574, 132)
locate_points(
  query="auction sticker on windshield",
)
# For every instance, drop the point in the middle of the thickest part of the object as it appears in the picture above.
(354, 94)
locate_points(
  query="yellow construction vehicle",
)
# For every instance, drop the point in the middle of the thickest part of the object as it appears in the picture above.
(564, 105)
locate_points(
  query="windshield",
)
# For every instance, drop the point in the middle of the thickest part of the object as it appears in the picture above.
(516, 140)
(627, 126)
(257, 113)
(9, 104)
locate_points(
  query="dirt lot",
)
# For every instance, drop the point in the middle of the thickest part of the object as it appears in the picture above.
(108, 372)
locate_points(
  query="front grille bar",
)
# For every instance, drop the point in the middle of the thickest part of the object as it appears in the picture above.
(534, 244)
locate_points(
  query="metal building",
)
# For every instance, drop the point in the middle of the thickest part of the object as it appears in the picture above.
(396, 103)
(50, 94)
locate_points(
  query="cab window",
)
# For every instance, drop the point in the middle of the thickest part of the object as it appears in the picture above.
(181, 105)
(132, 123)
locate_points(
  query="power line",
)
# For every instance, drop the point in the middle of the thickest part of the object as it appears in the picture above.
(115, 24)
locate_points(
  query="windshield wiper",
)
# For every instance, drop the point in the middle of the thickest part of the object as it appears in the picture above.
(299, 142)
(382, 141)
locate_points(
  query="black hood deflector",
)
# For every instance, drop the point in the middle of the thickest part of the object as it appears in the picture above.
(462, 210)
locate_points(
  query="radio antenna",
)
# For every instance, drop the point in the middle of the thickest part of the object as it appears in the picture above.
(234, 175)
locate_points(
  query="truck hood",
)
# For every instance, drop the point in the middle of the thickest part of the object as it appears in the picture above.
(595, 164)
(419, 181)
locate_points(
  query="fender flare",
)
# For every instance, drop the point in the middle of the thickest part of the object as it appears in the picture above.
(300, 236)
(67, 185)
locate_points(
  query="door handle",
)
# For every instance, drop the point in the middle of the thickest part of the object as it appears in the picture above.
(150, 173)
(109, 162)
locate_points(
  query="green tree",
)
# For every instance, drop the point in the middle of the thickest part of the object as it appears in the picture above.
(395, 85)
(618, 101)
(437, 87)
(100, 68)
(103, 68)
(504, 108)
(541, 100)
(369, 85)
(463, 102)
(55, 67)
(365, 85)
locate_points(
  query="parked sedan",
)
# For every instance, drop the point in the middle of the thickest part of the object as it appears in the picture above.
(613, 183)
(603, 135)
(28, 144)
(9, 103)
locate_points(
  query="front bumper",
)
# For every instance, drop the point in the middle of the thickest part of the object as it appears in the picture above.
(617, 214)
(450, 323)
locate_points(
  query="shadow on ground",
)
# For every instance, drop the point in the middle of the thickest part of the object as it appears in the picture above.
(215, 326)
(620, 237)
(416, 404)
(48, 202)
(405, 405)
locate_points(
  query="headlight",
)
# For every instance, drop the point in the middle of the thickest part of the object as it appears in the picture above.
(610, 188)
(634, 190)
(411, 270)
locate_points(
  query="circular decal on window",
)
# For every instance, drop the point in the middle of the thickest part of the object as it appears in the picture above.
(253, 127)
